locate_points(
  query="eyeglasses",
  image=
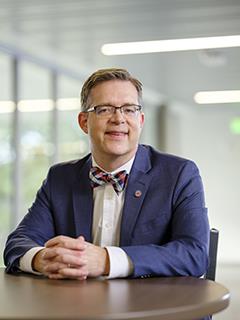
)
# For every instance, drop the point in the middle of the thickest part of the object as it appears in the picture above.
(128, 110)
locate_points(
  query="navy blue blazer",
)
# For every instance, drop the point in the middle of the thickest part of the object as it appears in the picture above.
(164, 231)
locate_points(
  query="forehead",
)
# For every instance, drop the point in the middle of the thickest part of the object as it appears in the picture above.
(114, 91)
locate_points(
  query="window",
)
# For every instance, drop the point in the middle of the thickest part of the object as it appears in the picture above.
(6, 156)
(33, 135)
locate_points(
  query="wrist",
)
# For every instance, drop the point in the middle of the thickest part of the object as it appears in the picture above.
(36, 261)
(106, 263)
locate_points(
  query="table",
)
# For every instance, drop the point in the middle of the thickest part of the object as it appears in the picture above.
(31, 297)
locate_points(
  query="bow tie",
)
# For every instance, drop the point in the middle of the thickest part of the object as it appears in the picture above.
(99, 178)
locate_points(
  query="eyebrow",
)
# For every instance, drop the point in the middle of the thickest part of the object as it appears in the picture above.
(111, 105)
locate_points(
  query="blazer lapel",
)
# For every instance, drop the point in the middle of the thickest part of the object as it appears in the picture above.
(83, 202)
(136, 190)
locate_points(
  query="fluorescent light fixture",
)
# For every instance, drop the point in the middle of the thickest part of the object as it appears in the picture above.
(68, 104)
(7, 106)
(171, 45)
(226, 96)
(38, 105)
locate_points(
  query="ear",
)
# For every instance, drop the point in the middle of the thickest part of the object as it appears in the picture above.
(142, 119)
(83, 121)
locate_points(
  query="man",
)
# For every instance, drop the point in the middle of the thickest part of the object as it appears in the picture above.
(83, 224)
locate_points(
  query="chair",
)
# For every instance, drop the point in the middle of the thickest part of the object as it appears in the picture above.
(213, 247)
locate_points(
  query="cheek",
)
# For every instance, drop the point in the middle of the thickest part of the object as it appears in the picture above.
(95, 131)
(137, 129)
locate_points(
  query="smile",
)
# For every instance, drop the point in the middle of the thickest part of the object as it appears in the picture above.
(116, 134)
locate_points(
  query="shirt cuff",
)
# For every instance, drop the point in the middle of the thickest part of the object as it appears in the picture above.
(121, 265)
(25, 263)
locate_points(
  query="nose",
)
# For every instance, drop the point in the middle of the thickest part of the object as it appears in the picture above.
(118, 116)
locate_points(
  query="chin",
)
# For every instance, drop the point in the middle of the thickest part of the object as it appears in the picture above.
(118, 153)
(119, 149)
(124, 154)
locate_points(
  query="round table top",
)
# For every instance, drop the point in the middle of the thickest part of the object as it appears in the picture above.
(32, 297)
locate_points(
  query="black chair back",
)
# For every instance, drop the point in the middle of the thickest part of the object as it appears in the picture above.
(213, 248)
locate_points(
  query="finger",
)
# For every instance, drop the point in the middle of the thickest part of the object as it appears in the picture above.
(66, 242)
(74, 273)
(81, 238)
(54, 267)
(69, 273)
(76, 257)
(58, 276)
(51, 253)
(57, 240)
(65, 261)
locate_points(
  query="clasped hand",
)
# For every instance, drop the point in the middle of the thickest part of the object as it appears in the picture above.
(69, 258)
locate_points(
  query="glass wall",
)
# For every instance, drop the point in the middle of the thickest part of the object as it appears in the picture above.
(6, 158)
(6, 163)
(36, 153)
(35, 113)
(72, 141)
(38, 127)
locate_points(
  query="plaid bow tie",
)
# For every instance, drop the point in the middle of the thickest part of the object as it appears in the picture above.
(99, 178)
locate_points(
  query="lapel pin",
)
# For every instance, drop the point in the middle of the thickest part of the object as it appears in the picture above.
(138, 193)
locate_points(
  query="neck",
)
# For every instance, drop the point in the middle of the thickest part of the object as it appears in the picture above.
(110, 164)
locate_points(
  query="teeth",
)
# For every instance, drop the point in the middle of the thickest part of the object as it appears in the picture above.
(116, 132)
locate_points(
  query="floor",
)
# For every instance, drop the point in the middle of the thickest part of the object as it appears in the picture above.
(229, 276)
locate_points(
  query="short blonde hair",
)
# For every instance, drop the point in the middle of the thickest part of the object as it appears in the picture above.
(103, 75)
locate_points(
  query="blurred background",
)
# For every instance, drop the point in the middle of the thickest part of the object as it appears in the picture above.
(49, 47)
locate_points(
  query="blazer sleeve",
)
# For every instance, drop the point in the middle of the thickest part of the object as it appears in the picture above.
(186, 251)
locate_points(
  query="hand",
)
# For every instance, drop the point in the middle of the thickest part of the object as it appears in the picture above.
(66, 257)
(97, 258)
(63, 257)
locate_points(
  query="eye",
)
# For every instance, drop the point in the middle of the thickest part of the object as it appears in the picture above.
(101, 110)
(130, 110)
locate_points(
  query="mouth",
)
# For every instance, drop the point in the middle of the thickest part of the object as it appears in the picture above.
(116, 134)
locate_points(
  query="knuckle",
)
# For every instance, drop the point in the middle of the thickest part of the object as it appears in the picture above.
(63, 259)
(58, 251)
(79, 261)
(79, 254)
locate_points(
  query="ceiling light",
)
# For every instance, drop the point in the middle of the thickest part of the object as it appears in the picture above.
(226, 96)
(68, 104)
(7, 106)
(170, 45)
(38, 105)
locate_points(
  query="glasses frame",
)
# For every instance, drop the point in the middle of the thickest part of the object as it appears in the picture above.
(94, 108)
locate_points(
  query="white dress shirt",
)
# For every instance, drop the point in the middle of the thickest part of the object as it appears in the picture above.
(107, 215)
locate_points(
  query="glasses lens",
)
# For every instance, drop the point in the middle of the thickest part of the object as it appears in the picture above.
(130, 111)
(103, 110)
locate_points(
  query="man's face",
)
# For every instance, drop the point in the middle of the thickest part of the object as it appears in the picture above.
(114, 138)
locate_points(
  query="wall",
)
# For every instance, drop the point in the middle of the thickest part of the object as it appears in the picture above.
(203, 134)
